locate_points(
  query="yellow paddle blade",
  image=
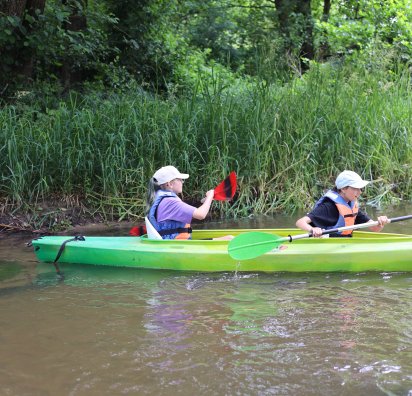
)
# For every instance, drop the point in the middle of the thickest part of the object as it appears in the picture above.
(253, 244)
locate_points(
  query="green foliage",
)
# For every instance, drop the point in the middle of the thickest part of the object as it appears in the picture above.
(287, 142)
(11, 29)
(219, 30)
(358, 25)
(224, 91)
(163, 44)
(83, 50)
(147, 46)
(51, 45)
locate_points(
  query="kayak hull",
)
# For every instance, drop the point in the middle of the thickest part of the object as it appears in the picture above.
(366, 251)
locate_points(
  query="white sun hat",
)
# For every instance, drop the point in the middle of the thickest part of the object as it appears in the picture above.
(349, 178)
(168, 173)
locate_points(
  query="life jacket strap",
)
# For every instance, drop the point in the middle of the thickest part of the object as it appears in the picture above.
(351, 215)
(179, 230)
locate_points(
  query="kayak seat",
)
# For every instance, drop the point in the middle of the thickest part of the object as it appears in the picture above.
(151, 231)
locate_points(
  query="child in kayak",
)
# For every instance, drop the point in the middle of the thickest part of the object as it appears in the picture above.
(167, 213)
(339, 208)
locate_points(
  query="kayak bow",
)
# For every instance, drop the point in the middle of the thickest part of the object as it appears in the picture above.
(254, 244)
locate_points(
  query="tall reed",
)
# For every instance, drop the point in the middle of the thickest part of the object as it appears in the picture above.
(287, 142)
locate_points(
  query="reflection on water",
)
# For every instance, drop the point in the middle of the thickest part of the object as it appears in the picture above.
(105, 331)
(9, 271)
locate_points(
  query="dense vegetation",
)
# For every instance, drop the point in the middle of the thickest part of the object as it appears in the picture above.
(286, 93)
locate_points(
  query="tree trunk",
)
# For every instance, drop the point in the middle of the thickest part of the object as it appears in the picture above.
(12, 7)
(324, 48)
(77, 22)
(283, 11)
(33, 5)
(289, 12)
(304, 8)
(326, 10)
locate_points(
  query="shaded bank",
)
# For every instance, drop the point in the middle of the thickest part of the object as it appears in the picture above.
(91, 156)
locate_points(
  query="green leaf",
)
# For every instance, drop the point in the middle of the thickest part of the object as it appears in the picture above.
(14, 21)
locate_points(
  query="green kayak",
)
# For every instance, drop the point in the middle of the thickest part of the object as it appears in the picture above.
(366, 251)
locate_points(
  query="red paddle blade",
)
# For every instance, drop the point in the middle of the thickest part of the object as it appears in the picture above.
(138, 230)
(226, 190)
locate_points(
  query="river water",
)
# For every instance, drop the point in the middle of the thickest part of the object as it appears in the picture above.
(104, 331)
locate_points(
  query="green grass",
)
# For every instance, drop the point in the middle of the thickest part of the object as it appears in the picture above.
(287, 143)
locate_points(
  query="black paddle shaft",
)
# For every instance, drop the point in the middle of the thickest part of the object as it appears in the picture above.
(395, 219)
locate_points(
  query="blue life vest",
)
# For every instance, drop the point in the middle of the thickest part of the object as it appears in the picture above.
(168, 229)
(347, 212)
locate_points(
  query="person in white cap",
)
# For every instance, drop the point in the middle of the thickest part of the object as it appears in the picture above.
(339, 208)
(168, 214)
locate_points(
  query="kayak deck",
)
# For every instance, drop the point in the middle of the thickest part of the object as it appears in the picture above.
(366, 251)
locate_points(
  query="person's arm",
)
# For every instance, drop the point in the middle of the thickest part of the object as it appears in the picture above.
(304, 224)
(362, 218)
(321, 217)
(201, 212)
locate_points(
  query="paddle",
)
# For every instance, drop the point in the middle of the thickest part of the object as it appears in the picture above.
(253, 244)
(226, 189)
(223, 192)
(138, 230)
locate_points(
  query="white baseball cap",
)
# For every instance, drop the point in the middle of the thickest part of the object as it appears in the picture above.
(350, 179)
(168, 173)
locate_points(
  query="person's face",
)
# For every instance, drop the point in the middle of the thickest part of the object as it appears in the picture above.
(177, 185)
(350, 193)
